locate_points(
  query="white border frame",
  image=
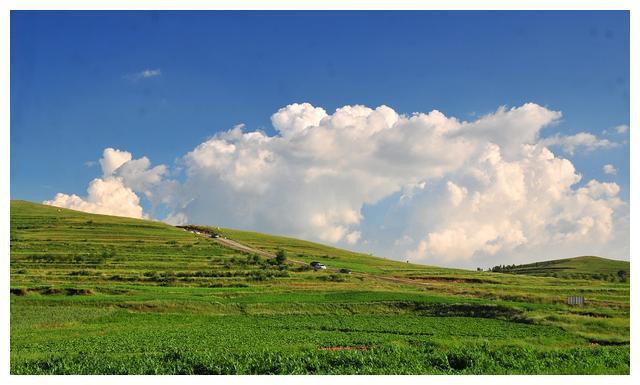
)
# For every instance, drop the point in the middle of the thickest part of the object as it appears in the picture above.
(8, 5)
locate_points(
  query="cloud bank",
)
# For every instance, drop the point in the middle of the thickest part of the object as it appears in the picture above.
(448, 191)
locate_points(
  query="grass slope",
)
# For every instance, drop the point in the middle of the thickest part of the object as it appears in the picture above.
(102, 294)
(331, 256)
(578, 267)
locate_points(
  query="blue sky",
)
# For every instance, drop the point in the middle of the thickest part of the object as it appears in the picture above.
(77, 84)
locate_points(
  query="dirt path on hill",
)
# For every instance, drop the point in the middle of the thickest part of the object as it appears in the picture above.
(248, 249)
(240, 247)
(230, 243)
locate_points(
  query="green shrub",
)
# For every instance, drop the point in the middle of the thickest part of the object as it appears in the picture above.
(281, 257)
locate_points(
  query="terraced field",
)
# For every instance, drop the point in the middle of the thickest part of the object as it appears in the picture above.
(101, 294)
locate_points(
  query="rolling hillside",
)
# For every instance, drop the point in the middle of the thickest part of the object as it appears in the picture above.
(110, 295)
(578, 267)
(310, 251)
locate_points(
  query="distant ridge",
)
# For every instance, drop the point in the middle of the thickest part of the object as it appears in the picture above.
(577, 267)
(583, 267)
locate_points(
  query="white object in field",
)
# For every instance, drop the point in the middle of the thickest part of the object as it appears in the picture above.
(575, 300)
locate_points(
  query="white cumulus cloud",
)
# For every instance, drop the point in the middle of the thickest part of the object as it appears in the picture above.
(112, 159)
(104, 196)
(441, 189)
(115, 193)
(313, 178)
(511, 208)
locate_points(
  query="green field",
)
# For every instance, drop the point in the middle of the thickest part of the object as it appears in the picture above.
(93, 294)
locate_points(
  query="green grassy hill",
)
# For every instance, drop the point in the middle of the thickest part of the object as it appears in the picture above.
(111, 295)
(578, 267)
(310, 251)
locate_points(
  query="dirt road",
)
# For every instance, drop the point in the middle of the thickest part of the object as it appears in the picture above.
(240, 247)
(248, 249)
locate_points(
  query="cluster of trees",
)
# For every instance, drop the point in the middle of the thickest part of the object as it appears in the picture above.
(504, 268)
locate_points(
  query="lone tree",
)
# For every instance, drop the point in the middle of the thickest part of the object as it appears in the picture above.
(281, 257)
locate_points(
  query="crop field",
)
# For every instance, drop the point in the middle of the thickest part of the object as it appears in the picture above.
(93, 294)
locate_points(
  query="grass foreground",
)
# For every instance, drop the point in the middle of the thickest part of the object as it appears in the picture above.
(95, 294)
